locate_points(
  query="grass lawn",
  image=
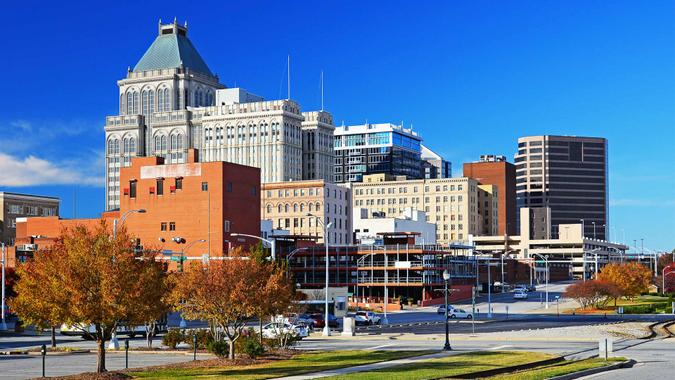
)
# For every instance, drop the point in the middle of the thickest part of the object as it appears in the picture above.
(557, 369)
(450, 366)
(299, 364)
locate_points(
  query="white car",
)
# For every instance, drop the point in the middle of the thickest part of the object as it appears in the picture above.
(520, 295)
(520, 289)
(275, 329)
(459, 313)
(441, 309)
(367, 318)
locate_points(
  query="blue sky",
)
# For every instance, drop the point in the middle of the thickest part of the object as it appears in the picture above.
(470, 76)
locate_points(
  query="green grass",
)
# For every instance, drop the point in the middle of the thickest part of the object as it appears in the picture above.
(449, 366)
(557, 369)
(303, 363)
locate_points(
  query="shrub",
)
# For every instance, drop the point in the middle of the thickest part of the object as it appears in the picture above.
(204, 337)
(250, 345)
(219, 348)
(173, 337)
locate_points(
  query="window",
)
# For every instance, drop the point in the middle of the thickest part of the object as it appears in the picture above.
(132, 189)
(172, 226)
(205, 186)
(179, 183)
(160, 187)
(229, 187)
(162, 226)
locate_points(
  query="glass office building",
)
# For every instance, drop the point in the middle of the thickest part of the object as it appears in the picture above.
(373, 149)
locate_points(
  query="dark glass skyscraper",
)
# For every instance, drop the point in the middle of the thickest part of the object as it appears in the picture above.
(568, 174)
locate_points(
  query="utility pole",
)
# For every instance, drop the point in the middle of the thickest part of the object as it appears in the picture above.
(3, 326)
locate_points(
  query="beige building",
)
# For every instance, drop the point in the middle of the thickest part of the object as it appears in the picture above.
(287, 205)
(569, 247)
(317, 146)
(459, 207)
(15, 206)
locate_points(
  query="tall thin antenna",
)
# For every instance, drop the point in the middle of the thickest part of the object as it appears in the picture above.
(321, 90)
(289, 76)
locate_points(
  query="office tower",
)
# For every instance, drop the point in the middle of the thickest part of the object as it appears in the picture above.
(433, 165)
(494, 170)
(567, 174)
(376, 148)
(317, 146)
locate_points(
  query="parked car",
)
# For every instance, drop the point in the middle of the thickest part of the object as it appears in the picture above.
(520, 295)
(318, 320)
(275, 329)
(441, 309)
(520, 288)
(460, 313)
(367, 318)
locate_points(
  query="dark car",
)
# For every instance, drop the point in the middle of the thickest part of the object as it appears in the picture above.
(319, 320)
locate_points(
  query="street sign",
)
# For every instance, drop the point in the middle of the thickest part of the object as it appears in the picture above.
(175, 258)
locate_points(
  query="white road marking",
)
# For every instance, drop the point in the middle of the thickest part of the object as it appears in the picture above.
(378, 347)
(500, 347)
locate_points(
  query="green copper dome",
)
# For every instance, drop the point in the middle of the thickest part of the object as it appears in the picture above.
(171, 49)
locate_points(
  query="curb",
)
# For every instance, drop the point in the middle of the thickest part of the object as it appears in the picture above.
(593, 371)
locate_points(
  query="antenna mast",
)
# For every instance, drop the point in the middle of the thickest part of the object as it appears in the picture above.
(321, 90)
(289, 77)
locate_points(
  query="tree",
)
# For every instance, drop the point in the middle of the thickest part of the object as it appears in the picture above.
(275, 292)
(631, 278)
(227, 293)
(592, 293)
(92, 280)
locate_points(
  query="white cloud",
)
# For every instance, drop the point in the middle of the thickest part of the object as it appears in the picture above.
(34, 171)
(641, 202)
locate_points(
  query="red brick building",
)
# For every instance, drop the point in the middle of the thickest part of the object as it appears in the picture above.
(494, 170)
(183, 204)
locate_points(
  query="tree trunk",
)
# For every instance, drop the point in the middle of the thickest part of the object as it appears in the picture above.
(230, 354)
(101, 355)
(261, 334)
(53, 337)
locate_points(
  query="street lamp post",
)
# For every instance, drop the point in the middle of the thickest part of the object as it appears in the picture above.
(545, 258)
(273, 249)
(446, 277)
(489, 270)
(182, 252)
(123, 218)
(3, 326)
(326, 328)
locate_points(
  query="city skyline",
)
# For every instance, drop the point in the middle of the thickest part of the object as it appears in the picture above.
(571, 87)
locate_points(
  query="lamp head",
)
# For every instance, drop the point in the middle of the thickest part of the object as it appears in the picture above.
(446, 275)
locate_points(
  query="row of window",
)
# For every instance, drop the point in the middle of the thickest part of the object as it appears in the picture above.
(404, 190)
(31, 210)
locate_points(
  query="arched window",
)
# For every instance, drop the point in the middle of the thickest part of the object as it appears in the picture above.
(302, 207)
(280, 209)
(173, 142)
(160, 100)
(309, 206)
(295, 207)
(158, 144)
(144, 102)
(151, 101)
(132, 146)
(122, 105)
(269, 209)
(126, 145)
(111, 146)
(179, 141)
(116, 146)
(318, 206)
(286, 208)
(130, 103)
(135, 103)
(163, 144)
(167, 100)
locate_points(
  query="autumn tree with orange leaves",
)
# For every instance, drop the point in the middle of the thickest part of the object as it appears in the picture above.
(90, 279)
(631, 278)
(228, 293)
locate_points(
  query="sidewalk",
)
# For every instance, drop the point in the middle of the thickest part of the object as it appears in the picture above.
(369, 367)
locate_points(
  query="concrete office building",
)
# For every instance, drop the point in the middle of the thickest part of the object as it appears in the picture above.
(570, 248)
(171, 101)
(372, 228)
(287, 204)
(376, 148)
(317, 146)
(14, 206)
(433, 165)
(494, 170)
(568, 174)
(456, 205)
